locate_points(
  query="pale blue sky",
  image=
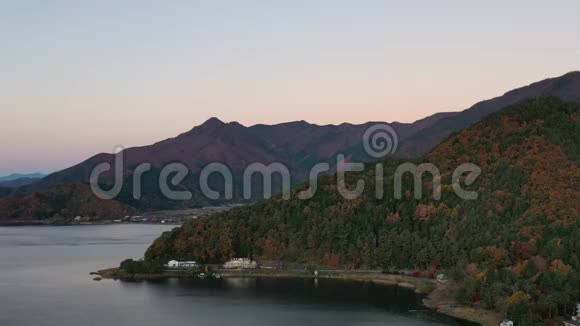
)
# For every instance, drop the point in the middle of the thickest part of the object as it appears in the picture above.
(78, 77)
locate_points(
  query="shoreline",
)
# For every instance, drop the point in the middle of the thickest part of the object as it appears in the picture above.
(436, 293)
(419, 285)
(43, 223)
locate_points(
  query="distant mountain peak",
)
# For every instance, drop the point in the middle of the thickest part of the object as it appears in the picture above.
(573, 73)
(212, 122)
(209, 125)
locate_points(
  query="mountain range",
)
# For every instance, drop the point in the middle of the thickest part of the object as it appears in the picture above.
(16, 176)
(16, 180)
(299, 145)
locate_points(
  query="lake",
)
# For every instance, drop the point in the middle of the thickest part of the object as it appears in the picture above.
(44, 280)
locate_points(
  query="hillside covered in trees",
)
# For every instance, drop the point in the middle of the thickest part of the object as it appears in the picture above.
(61, 204)
(515, 248)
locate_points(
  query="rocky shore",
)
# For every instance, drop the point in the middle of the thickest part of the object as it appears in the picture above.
(442, 299)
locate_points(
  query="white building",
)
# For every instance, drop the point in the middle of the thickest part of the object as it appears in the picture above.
(181, 264)
(506, 322)
(187, 264)
(240, 263)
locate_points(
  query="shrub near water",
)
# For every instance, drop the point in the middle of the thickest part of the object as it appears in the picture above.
(131, 266)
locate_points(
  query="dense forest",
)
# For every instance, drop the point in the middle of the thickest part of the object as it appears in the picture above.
(514, 249)
(61, 204)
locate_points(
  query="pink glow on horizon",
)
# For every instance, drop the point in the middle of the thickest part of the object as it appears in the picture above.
(79, 79)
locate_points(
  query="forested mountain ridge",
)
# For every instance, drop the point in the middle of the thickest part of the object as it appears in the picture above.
(565, 87)
(515, 247)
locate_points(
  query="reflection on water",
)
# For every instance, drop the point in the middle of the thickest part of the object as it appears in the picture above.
(239, 283)
(44, 280)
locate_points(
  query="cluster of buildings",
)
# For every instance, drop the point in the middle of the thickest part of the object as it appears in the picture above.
(240, 263)
(160, 217)
(128, 219)
(235, 263)
(151, 219)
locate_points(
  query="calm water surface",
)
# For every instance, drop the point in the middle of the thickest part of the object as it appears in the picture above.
(44, 280)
